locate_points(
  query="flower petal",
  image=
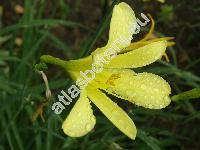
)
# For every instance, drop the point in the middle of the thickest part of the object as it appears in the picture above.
(143, 89)
(139, 57)
(113, 112)
(81, 120)
(123, 23)
(122, 27)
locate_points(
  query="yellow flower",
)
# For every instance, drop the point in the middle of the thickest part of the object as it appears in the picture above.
(143, 89)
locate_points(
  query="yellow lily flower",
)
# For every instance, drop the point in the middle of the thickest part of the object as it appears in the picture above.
(143, 89)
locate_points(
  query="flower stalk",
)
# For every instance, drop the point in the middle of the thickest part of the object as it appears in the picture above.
(48, 59)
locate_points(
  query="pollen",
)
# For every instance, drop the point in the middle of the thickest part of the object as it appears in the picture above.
(112, 79)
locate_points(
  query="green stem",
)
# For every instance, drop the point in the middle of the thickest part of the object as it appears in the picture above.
(192, 94)
(71, 65)
(48, 59)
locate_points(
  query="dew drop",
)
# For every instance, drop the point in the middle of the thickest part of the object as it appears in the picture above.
(71, 133)
(167, 99)
(156, 90)
(143, 86)
(129, 93)
(110, 89)
(121, 121)
(150, 106)
(79, 114)
(92, 118)
(114, 113)
(89, 107)
(88, 127)
(157, 102)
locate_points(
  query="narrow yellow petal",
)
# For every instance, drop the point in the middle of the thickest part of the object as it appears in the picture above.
(166, 57)
(139, 44)
(81, 120)
(122, 27)
(113, 112)
(123, 23)
(139, 57)
(143, 89)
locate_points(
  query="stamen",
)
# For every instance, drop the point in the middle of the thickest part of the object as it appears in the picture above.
(151, 29)
(166, 57)
(162, 39)
(171, 43)
(143, 41)
(112, 78)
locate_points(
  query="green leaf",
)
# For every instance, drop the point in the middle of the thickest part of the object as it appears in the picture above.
(191, 94)
(149, 140)
(41, 22)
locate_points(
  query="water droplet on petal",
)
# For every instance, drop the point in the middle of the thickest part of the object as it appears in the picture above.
(129, 93)
(115, 104)
(150, 106)
(156, 90)
(88, 127)
(92, 118)
(79, 114)
(167, 100)
(121, 121)
(143, 86)
(71, 133)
